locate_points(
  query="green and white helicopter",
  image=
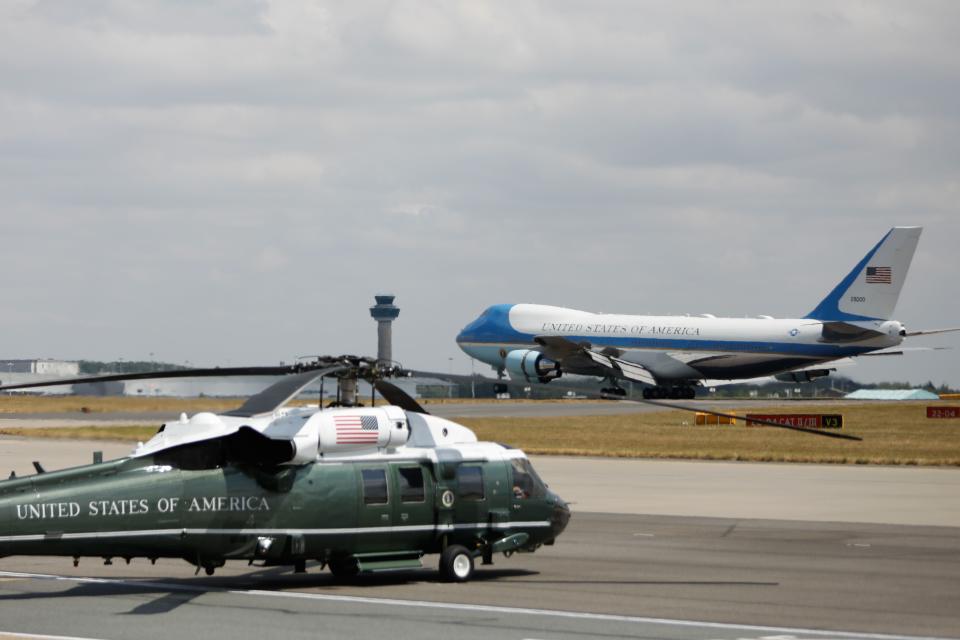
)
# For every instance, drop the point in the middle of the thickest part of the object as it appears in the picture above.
(358, 489)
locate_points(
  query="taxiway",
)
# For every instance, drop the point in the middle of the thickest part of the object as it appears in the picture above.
(802, 551)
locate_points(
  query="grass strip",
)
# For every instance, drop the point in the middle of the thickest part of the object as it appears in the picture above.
(23, 404)
(894, 434)
(119, 433)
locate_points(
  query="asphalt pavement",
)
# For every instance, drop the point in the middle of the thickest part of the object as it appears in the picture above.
(608, 576)
(792, 551)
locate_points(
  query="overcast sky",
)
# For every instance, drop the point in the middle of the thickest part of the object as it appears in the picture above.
(230, 182)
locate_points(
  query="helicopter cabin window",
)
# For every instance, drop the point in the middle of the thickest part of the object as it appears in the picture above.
(374, 486)
(470, 481)
(410, 480)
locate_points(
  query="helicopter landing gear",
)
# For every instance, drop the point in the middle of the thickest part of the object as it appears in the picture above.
(300, 566)
(456, 564)
(487, 555)
(208, 566)
(676, 392)
(343, 568)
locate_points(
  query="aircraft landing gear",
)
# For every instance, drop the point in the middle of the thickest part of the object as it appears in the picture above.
(500, 387)
(343, 568)
(676, 392)
(456, 564)
(208, 566)
(614, 392)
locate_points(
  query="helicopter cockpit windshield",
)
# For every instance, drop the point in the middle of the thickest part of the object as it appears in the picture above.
(526, 482)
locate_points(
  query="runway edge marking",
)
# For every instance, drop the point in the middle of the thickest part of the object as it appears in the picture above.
(480, 608)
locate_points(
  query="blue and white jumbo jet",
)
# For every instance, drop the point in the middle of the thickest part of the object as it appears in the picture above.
(674, 354)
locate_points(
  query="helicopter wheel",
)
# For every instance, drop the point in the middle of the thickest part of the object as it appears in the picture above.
(456, 564)
(343, 568)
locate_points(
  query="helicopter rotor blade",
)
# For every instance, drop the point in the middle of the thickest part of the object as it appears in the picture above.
(156, 375)
(397, 396)
(279, 393)
(355, 362)
(768, 423)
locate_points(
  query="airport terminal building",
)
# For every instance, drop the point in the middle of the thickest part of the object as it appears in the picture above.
(15, 371)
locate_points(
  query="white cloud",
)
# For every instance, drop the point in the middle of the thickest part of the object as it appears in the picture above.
(169, 169)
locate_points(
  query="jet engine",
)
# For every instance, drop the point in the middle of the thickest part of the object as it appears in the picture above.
(531, 365)
(802, 376)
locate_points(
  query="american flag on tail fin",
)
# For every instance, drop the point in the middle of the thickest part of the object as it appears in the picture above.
(356, 429)
(879, 275)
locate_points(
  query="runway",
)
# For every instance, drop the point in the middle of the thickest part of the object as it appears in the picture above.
(631, 575)
(797, 575)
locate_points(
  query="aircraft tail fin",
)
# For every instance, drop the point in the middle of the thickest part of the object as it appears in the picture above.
(871, 290)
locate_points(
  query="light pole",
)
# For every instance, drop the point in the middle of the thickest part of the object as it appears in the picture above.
(450, 382)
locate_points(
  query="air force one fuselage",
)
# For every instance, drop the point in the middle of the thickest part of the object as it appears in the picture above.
(534, 342)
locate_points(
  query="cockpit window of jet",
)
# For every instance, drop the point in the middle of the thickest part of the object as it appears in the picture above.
(675, 354)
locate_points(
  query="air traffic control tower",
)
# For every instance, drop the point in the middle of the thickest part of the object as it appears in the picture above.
(384, 312)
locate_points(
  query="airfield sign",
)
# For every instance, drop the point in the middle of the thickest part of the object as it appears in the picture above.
(805, 420)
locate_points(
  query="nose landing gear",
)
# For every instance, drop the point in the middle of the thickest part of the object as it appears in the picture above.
(613, 392)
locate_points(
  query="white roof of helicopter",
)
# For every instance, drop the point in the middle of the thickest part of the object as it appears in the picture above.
(389, 432)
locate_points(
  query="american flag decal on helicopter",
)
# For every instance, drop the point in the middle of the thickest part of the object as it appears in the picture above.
(356, 429)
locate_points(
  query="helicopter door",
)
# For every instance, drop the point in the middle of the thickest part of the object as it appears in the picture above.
(413, 511)
(473, 493)
(375, 520)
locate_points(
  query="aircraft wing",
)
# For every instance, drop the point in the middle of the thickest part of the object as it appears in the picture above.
(929, 332)
(899, 351)
(622, 368)
(561, 349)
(831, 365)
